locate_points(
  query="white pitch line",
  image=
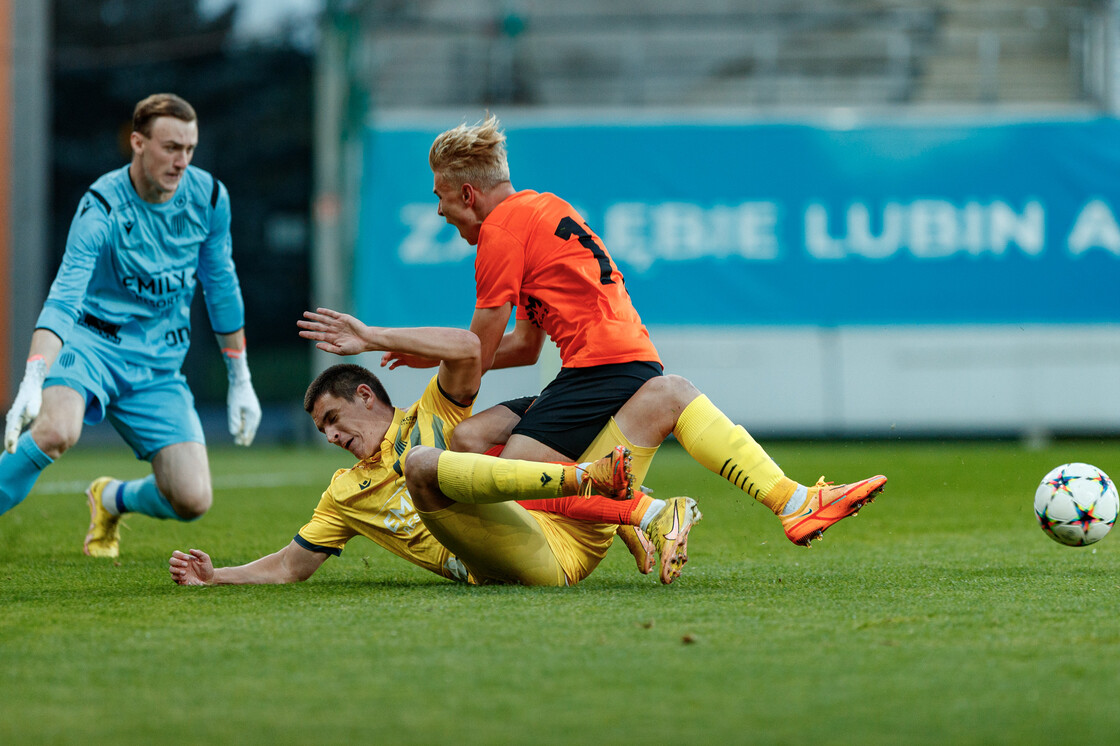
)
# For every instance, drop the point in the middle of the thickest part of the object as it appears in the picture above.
(230, 481)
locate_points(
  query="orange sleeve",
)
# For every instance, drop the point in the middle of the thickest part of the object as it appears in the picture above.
(498, 268)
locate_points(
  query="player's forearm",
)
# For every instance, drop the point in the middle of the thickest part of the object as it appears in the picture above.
(232, 341)
(268, 570)
(46, 343)
(434, 343)
(515, 351)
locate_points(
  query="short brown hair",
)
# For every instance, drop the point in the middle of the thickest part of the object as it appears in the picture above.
(343, 380)
(472, 154)
(160, 105)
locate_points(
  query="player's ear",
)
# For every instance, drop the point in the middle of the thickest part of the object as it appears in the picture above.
(137, 142)
(365, 393)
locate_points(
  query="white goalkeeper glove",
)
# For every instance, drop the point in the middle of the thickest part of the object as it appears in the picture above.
(28, 400)
(244, 409)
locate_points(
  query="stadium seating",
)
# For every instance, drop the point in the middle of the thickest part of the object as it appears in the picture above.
(717, 53)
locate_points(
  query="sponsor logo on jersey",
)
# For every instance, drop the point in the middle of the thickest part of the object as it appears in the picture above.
(536, 310)
(171, 283)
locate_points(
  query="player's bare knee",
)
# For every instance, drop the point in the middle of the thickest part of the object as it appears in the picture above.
(421, 468)
(679, 389)
(190, 501)
(53, 438)
(668, 391)
(193, 509)
(468, 438)
(421, 471)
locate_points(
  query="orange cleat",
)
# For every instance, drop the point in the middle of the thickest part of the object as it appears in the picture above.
(827, 504)
(610, 476)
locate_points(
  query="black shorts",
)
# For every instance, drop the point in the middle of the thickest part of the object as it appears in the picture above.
(520, 405)
(572, 409)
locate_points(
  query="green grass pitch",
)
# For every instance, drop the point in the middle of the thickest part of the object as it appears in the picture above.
(941, 614)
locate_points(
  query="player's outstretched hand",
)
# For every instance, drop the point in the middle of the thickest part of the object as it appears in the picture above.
(191, 569)
(29, 399)
(332, 331)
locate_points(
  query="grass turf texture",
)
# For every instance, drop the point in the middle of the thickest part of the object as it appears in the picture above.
(941, 614)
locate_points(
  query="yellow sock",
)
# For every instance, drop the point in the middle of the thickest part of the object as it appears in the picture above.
(728, 449)
(478, 478)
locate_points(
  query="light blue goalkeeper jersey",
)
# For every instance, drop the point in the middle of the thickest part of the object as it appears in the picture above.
(131, 268)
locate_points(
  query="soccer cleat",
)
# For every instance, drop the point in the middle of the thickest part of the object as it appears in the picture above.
(827, 504)
(610, 476)
(104, 537)
(668, 532)
(639, 545)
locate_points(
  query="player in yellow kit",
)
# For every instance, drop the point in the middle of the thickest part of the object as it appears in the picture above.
(351, 408)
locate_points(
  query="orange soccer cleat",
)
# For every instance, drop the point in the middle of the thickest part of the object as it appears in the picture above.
(827, 504)
(609, 476)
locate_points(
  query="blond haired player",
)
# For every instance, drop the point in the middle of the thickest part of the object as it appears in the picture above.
(537, 253)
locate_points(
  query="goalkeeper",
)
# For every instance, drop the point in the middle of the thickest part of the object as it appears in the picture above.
(113, 332)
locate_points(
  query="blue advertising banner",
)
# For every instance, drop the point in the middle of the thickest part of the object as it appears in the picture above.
(791, 223)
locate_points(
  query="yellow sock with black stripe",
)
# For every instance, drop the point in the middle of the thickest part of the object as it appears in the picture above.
(727, 449)
(477, 478)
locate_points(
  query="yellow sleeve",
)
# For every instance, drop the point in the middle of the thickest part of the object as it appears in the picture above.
(428, 422)
(437, 416)
(326, 531)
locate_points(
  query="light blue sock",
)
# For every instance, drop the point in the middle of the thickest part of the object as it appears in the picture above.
(800, 495)
(142, 496)
(654, 508)
(19, 470)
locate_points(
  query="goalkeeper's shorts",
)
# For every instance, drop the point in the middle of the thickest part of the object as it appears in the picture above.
(150, 408)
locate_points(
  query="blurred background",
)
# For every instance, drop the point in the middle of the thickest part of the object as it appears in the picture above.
(839, 218)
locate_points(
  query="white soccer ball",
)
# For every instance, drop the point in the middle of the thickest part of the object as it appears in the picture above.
(1076, 504)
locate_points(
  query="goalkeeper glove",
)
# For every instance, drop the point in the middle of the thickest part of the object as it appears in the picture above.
(244, 410)
(28, 400)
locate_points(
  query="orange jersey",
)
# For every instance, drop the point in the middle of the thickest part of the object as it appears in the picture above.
(537, 253)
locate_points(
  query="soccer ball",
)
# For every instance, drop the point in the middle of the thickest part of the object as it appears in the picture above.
(1076, 504)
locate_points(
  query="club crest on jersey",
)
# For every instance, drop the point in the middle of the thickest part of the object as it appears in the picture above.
(179, 223)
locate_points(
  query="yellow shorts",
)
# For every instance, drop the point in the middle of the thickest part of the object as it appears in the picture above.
(505, 543)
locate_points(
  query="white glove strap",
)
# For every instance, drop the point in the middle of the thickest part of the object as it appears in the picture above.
(237, 367)
(35, 371)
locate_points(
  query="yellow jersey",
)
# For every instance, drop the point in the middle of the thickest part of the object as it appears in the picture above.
(370, 498)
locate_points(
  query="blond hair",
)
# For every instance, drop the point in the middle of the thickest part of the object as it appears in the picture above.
(472, 154)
